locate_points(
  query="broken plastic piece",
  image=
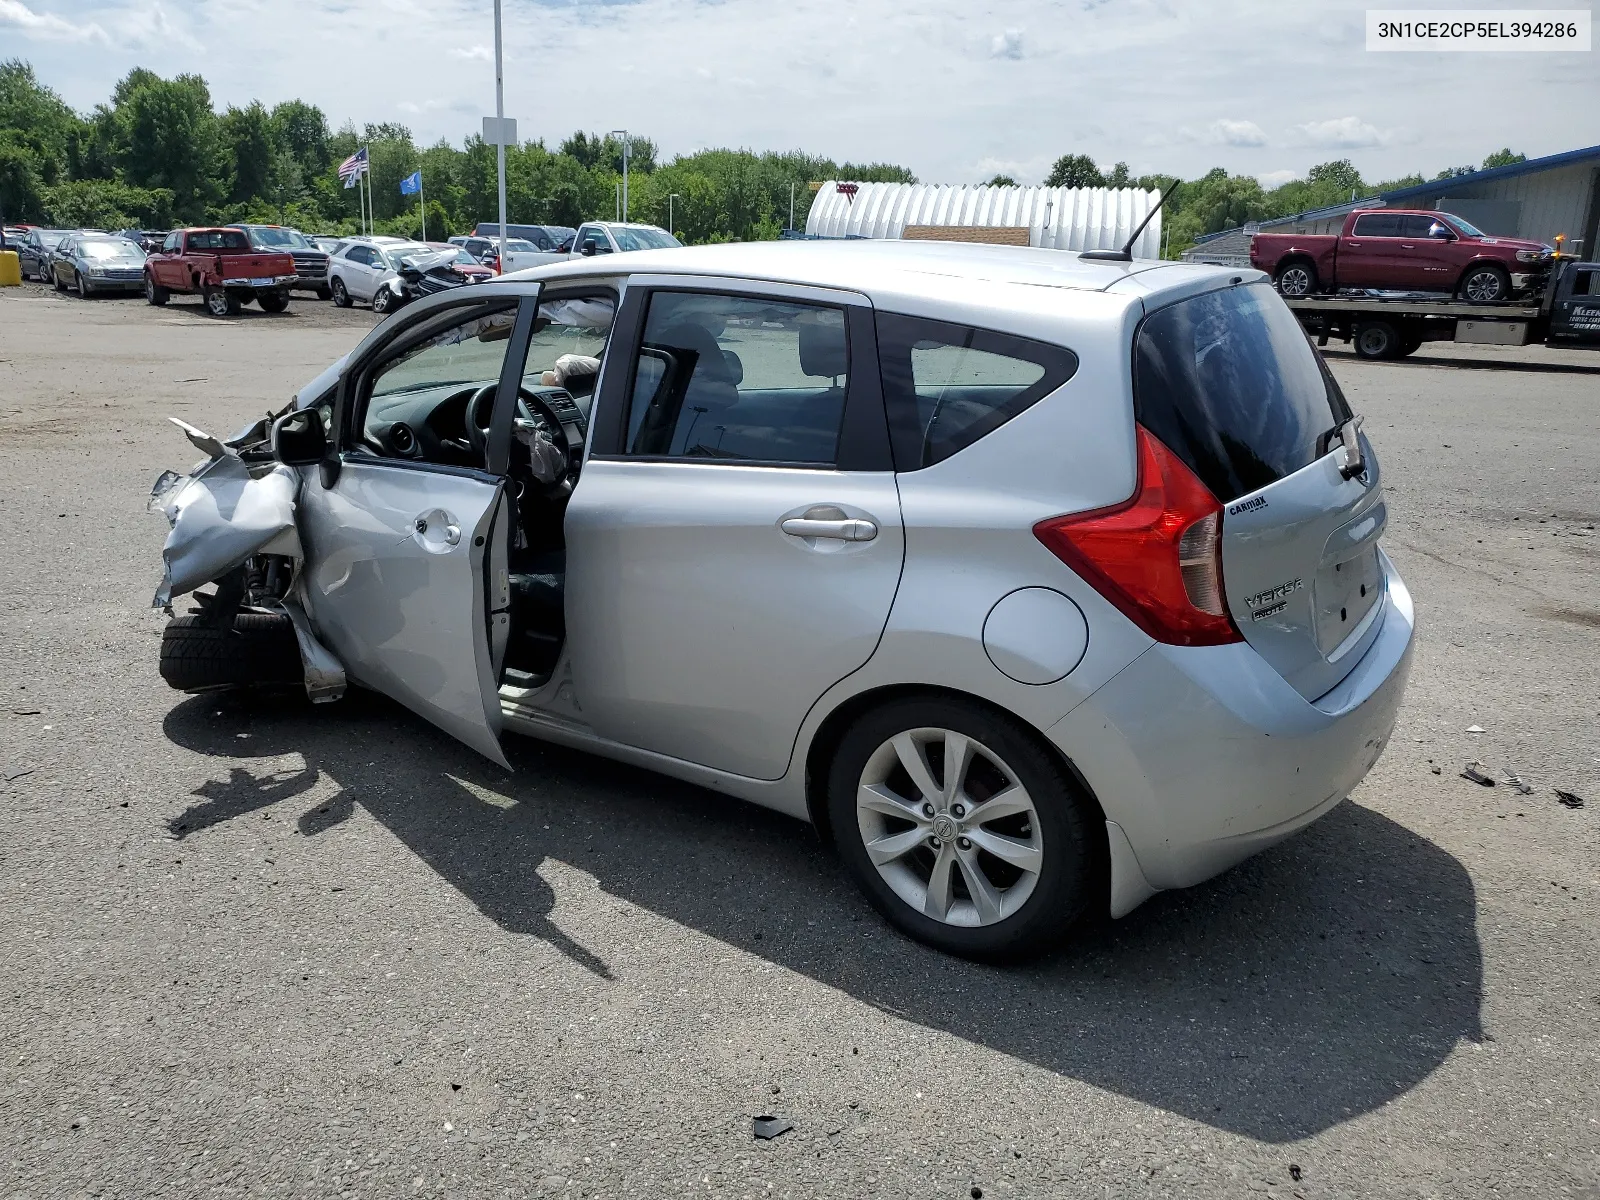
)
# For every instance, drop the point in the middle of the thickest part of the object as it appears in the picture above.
(767, 1128)
(1570, 799)
(1474, 728)
(1476, 775)
(19, 772)
(1516, 781)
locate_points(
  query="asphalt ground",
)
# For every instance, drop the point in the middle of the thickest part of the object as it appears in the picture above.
(255, 948)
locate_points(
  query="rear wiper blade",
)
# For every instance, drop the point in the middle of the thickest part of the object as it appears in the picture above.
(1355, 460)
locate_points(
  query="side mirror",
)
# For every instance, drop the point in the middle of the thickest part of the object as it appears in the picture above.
(588, 250)
(298, 439)
(1441, 232)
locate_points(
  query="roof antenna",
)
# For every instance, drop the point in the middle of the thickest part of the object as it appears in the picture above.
(1126, 253)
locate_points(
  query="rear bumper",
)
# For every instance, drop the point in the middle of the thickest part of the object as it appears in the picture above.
(1202, 756)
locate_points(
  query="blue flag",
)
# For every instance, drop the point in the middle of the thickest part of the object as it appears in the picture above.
(411, 184)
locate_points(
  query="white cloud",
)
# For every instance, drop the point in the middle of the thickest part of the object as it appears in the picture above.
(1272, 179)
(47, 25)
(1236, 133)
(1343, 133)
(1006, 45)
(929, 86)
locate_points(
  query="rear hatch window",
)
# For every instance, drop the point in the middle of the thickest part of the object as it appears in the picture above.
(1229, 383)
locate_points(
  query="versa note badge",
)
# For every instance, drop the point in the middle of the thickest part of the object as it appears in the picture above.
(1271, 602)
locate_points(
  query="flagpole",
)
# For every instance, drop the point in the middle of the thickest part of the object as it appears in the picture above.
(500, 148)
(422, 203)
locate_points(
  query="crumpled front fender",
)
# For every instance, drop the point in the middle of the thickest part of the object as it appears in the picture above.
(221, 514)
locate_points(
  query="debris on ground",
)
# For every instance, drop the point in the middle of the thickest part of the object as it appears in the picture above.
(11, 773)
(1474, 728)
(1516, 781)
(25, 712)
(1570, 799)
(1438, 770)
(1477, 776)
(767, 1128)
(1294, 1172)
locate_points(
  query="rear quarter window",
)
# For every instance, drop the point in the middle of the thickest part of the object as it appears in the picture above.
(947, 385)
(1229, 382)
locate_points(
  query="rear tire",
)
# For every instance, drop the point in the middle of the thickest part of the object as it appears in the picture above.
(1486, 284)
(1038, 900)
(324, 294)
(260, 650)
(1410, 344)
(1376, 340)
(340, 294)
(273, 302)
(1298, 277)
(220, 302)
(154, 293)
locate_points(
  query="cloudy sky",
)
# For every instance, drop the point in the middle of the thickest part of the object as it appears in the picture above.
(955, 89)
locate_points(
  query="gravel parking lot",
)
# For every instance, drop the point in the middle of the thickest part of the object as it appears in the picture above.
(253, 948)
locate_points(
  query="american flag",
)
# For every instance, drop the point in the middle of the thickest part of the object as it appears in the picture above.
(355, 165)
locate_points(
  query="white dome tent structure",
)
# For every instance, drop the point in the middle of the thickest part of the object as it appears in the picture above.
(1056, 217)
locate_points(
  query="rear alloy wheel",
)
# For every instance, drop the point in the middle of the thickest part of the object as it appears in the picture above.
(220, 302)
(154, 292)
(340, 294)
(1297, 279)
(1486, 285)
(962, 830)
(1377, 339)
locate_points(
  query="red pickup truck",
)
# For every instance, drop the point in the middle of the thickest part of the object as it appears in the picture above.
(219, 265)
(1403, 250)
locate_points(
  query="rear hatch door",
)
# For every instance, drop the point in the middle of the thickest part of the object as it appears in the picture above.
(1229, 382)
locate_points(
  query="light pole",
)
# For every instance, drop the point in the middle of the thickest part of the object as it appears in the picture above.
(671, 196)
(627, 152)
(500, 116)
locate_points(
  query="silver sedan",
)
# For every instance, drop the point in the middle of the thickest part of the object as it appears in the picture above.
(1038, 584)
(92, 263)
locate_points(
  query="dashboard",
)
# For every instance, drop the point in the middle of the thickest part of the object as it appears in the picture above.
(429, 423)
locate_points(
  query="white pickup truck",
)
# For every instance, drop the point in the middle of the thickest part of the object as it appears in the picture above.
(593, 237)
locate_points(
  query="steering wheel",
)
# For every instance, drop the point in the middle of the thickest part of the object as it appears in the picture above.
(530, 406)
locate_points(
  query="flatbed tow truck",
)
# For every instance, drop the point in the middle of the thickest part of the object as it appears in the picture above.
(1393, 324)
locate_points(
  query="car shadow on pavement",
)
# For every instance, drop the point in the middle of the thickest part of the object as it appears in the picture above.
(1310, 985)
(1472, 364)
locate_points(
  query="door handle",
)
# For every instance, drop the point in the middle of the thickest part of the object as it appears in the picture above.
(849, 529)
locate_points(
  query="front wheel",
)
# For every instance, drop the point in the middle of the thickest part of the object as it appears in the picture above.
(1486, 285)
(220, 302)
(382, 300)
(259, 649)
(324, 294)
(55, 278)
(82, 287)
(154, 292)
(963, 830)
(340, 294)
(273, 302)
(1298, 278)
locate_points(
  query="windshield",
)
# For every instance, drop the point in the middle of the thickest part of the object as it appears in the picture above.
(467, 353)
(1229, 382)
(516, 246)
(644, 239)
(271, 237)
(50, 238)
(1466, 227)
(109, 248)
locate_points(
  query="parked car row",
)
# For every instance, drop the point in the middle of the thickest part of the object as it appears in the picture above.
(233, 265)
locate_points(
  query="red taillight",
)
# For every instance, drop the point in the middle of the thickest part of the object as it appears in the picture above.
(1156, 556)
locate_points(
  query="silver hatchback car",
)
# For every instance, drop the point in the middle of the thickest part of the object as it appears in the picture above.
(1038, 584)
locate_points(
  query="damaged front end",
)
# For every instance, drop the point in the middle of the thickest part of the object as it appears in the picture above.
(233, 525)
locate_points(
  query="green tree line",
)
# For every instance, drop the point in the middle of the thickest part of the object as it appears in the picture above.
(157, 153)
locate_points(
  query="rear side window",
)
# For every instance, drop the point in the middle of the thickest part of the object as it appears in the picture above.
(947, 385)
(1377, 226)
(1229, 383)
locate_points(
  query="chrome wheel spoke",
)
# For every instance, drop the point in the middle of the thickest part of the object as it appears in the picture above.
(894, 845)
(936, 903)
(1023, 855)
(915, 761)
(984, 896)
(875, 797)
(1008, 803)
